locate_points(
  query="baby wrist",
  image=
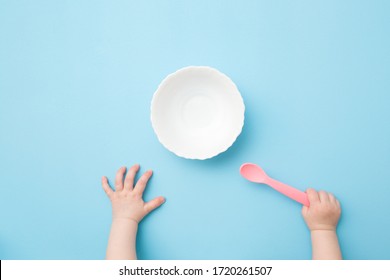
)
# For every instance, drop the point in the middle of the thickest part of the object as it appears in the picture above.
(322, 231)
(128, 220)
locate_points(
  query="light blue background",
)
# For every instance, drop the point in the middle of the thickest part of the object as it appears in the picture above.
(76, 81)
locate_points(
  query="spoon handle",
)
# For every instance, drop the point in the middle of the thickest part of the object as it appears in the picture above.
(289, 191)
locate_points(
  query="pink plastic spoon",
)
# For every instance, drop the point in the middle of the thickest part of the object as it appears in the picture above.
(256, 174)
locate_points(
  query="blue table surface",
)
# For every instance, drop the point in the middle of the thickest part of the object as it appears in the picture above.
(76, 82)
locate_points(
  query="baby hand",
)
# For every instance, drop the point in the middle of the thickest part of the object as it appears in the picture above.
(324, 211)
(126, 200)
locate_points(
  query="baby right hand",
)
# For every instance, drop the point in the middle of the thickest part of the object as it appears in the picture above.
(324, 211)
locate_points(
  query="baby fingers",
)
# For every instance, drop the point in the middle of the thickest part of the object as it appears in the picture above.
(153, 204)
(106, 186)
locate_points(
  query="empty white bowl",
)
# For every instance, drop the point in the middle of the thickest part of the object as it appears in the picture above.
(197, 112)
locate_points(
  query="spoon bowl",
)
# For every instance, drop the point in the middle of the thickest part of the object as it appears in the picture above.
(253, 173)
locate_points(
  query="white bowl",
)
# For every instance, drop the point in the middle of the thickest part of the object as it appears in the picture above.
(197, 112)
